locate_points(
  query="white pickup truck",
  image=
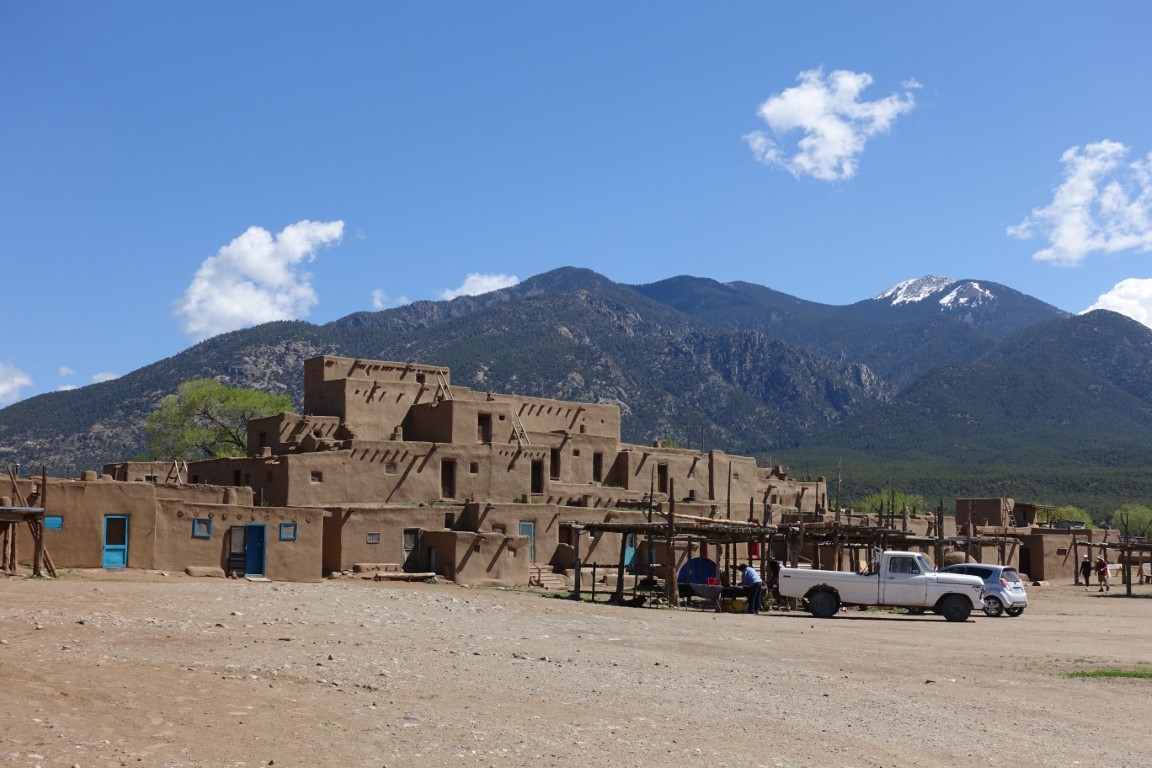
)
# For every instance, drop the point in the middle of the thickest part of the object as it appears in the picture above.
(898, 579)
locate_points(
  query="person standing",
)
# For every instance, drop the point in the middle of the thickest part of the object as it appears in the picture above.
(774, 584)
(753, 587)
(1102, 573)
(1086, 572)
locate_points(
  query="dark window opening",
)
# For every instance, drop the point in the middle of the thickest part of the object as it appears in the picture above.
(662, 478)
(554, 464)
(484, 428)
(448, 479)
(598, 467)
(537, 476)
(263, 439)
(236, 477)
(449, 520)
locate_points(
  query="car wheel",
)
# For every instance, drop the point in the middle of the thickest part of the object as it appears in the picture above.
(823, 605)
(955, 608)
(1014, 611)
(993, 606)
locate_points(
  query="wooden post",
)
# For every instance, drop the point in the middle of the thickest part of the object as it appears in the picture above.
(579, 567)
(618, 593)
(670, 580)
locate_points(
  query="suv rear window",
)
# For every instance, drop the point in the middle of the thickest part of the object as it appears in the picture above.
(1010, 574)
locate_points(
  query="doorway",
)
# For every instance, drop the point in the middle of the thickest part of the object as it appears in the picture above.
(537, 476)
(247, 545)
(448, 479)
(528, 529)
(115, 541)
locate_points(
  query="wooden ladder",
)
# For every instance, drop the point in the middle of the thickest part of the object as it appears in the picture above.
(518, 431)
(443, 391)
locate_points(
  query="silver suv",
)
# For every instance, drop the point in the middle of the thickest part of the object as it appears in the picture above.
(1003, 590)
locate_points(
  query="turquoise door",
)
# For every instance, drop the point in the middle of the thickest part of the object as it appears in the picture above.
(254, 539)
(629, 549)
(115, 541)
(528, 528)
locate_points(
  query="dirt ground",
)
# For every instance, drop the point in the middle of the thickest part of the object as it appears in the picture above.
(135, 669)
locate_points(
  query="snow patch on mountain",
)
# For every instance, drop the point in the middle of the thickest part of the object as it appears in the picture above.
(969, 294)
(911, 291)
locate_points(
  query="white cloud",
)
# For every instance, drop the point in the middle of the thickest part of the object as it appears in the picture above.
(12, 382)
(1102, 206)
(833, 122)
(66, 371)
(381, 300)
(104, 376)
(476, 284)
(1131, 297)
(66, 387)
(255, 279)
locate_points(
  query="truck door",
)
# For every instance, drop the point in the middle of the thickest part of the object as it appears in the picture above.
(904, 583)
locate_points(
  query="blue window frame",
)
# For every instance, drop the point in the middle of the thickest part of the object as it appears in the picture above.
(288, 531)
(201, 528)
(53, 522)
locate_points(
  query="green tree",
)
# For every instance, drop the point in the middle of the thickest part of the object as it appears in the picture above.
(1071, 513)
(887, 501)
(207, 420)
(1133, 520)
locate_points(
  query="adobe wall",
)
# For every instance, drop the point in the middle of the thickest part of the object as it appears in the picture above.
(79, 543)
(477, 559)
(290, 433)
(371, 396)
(541, 415)
(988, 512)
(1051, 555)
(145, 471)
(361, 534)
(285, 560)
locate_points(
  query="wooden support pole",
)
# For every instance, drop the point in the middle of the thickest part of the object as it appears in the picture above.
(618, 593)
(579, 567)
(670, 579)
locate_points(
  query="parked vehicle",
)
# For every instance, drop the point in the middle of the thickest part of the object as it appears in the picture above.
(899, 579)
(1003, 590)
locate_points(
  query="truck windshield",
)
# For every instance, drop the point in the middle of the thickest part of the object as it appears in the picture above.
(924, 566)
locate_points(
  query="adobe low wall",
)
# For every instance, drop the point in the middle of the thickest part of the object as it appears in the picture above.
(82, 505)
(477, 559)
(285, 559)
(376, 534)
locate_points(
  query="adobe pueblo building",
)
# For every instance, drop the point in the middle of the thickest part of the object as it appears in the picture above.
(418, 475)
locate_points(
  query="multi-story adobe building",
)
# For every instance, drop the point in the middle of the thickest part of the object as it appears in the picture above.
(398, 453)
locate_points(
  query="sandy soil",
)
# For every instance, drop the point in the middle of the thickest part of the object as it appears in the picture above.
(145, 670)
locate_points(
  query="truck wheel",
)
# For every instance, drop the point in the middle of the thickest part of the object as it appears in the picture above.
(993, 606)
(955, 608)
(1014, 611)
(823, 605)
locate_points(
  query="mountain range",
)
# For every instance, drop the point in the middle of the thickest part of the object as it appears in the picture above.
(940, 386)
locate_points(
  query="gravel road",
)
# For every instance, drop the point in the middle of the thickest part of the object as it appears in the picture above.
(142, 669)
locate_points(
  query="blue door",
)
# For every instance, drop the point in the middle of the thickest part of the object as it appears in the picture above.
(528, 528)
(629, 549)
(254, 537)
(115, 541)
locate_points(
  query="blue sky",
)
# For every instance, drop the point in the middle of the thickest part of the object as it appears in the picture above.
(174, 170)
